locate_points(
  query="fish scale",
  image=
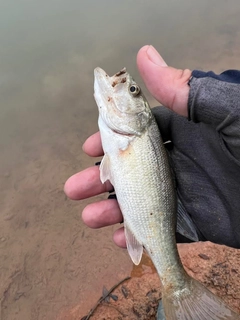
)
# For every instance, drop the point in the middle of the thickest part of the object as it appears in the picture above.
(136, 163)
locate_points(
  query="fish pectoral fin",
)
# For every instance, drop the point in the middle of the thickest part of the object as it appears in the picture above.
(135, 249)
(198, 304)
(185, 225)
(105, 169)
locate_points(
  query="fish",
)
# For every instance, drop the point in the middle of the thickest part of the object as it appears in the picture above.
(136, 163)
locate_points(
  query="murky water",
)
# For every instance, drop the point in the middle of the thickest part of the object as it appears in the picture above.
(48, 49)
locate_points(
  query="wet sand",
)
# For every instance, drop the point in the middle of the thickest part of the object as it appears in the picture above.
(50, 261)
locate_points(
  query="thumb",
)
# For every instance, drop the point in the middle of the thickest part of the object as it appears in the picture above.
(168, 85)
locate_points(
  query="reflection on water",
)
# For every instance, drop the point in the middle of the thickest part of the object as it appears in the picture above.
(48, 50)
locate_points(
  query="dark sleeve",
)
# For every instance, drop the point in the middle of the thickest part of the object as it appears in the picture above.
(231, 76)
(164, 117)
(215, 100)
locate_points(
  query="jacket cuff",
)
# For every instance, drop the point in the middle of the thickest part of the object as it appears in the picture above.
(211, 101)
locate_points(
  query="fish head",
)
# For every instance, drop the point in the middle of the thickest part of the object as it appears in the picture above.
(121, 103)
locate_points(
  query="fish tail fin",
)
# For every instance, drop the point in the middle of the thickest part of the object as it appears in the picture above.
(196, 304)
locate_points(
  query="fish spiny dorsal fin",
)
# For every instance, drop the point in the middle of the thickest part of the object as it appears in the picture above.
(198, 304)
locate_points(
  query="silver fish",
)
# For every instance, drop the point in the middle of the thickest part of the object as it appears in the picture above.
(136, 164)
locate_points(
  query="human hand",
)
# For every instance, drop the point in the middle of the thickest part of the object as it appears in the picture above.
(170, 87)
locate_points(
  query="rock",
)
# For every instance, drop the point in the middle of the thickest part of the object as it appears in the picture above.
(216, 266)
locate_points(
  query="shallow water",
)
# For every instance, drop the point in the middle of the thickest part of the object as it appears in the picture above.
(49, 260)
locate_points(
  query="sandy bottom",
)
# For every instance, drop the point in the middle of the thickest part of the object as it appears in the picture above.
(49, 259)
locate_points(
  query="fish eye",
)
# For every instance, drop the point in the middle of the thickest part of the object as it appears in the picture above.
(134, 89)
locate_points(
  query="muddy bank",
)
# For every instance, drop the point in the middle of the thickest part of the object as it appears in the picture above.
(216, 266)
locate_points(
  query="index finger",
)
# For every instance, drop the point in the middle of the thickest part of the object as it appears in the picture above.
(93, 145)
(86, 184)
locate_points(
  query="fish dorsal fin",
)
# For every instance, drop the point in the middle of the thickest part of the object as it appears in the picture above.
(135, 249)
(185, 225)
(105, 173)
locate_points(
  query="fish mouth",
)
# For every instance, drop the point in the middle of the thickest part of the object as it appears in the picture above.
(99, 73)
(102, 81)
(107, 83)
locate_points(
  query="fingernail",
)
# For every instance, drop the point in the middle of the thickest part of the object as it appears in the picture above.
(155, 57)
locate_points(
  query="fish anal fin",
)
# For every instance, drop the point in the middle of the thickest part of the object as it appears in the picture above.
(197, 304)
(135, 249)
(105, 169)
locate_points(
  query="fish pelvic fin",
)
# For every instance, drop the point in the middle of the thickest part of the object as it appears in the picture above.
(198, 303)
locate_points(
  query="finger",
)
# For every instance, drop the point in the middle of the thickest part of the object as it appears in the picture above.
(93, 145)
(168, 85)
(119, 238)
(86, 184)
(101, 214)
